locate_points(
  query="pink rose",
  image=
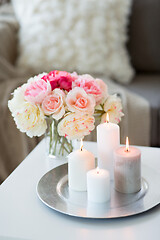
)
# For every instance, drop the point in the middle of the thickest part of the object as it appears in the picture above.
(53, 104)
(60, 79)
(79, 101)
(36, 91)
(96, 87)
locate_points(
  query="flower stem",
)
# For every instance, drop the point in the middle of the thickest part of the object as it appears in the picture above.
(58, 144)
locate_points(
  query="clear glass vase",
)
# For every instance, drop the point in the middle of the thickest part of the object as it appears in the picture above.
(56, 146)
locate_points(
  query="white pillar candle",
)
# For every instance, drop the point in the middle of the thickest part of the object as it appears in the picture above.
(98, 185)
(127, 169)
(79, 163)
(107, 141)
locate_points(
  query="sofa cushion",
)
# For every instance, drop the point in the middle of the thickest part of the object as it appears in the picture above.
(83, 36)
(148, 86)
(144, 35)
(8, 33)
(14, 145)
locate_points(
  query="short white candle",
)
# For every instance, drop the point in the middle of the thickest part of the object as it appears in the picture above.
(127, 169)
(98, 185)
(107, 141)
(79, 163)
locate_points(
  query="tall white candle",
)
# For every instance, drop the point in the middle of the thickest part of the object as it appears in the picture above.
(107, 141)
(127, 169)
(98, 185)
(79, 163)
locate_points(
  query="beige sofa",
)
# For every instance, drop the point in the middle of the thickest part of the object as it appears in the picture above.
(142, 112)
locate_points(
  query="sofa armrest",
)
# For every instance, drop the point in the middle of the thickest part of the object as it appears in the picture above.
(8, 34)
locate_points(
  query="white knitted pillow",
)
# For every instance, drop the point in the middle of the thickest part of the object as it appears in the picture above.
(87, 36)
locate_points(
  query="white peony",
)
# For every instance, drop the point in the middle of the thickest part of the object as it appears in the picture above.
(113, 106)
(30, 119)
(75, 126)
(18, 99)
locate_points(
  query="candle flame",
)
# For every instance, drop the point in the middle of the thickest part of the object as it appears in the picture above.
(127, 144)
(81, 147)
(107, 118)
(97, 170)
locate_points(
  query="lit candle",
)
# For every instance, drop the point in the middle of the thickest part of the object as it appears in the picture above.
(107, 141)
(98, 185)
(79, 163)
(127, 169)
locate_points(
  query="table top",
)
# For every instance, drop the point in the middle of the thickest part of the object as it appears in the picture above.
(24, 216)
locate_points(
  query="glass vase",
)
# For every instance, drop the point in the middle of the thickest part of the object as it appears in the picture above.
(56, 146)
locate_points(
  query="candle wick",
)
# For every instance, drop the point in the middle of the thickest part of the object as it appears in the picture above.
(81, 149)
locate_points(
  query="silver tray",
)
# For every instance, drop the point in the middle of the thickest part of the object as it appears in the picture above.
(53, 191)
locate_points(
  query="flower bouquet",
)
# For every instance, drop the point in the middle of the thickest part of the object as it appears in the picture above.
(64, 103)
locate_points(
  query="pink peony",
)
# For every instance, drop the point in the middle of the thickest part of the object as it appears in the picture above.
(79, 101)
(53, 104)
(36, 91)
(96, 87)
(60, 79)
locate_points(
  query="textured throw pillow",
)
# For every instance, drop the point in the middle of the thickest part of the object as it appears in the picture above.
(87, 36)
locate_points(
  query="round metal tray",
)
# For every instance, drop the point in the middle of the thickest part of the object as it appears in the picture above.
(53, 191)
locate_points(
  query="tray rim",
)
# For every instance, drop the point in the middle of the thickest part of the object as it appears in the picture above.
(151, 205)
